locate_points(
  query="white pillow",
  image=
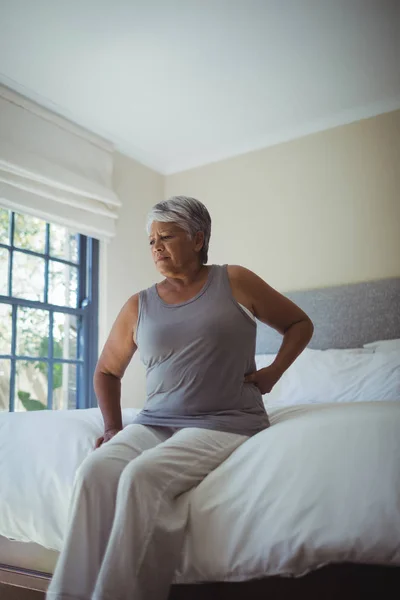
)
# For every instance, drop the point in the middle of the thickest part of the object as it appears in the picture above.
(383, 345)
(321, 376)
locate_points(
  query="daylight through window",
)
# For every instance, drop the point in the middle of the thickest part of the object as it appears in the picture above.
(48, 315)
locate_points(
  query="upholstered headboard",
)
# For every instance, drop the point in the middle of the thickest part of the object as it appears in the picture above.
(344, 316)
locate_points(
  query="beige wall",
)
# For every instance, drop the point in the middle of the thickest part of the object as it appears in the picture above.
(321, 210)
(125, 264)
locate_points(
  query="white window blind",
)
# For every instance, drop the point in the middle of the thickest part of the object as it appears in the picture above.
(53, 169)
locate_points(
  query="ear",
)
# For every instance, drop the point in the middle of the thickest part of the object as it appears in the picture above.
(199, 241)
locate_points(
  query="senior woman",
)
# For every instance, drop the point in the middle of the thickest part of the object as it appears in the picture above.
(196, 333)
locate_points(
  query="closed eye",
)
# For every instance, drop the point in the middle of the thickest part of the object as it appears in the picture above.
(163, 237)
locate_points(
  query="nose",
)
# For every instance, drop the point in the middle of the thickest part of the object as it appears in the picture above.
(158, 245)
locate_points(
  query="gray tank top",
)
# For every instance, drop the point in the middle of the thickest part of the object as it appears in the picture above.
(196, 355)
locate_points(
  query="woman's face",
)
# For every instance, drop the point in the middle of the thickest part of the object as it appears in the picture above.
(171, 247)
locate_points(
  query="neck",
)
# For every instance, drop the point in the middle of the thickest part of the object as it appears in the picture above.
(187, 276)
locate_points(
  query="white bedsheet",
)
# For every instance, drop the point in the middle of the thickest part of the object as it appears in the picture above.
(321, 485)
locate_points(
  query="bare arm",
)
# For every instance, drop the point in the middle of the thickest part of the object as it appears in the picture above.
(114, 359)
(277, 311)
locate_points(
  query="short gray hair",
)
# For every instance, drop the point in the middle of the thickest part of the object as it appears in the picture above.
(188, 213)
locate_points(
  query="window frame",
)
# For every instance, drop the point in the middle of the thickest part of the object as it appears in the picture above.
(86, 312)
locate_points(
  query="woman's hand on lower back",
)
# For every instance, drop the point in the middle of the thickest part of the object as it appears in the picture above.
(264, 379)
(106, 437)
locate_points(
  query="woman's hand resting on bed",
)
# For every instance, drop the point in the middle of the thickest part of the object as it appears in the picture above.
(264, 379)
(106, 437)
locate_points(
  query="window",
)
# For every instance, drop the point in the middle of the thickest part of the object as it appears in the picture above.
(48, 315)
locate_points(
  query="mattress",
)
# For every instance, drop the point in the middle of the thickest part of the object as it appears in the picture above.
(320, 486)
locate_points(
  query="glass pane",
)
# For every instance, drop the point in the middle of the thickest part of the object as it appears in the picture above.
(30, 386)
(32, 332)
(63, 243)
(64, 386)
(29, 233)
(4, 226)
(5, 328)
(4, 258)
(63, 284)
(65, 336)
(28, 277)
(5, 369)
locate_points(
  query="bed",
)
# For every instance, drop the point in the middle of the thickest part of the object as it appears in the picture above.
(321, 518)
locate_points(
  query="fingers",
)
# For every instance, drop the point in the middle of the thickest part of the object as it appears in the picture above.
(251, 378)
(99, 442)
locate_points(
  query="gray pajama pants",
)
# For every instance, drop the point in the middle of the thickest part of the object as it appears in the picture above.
(129, 511)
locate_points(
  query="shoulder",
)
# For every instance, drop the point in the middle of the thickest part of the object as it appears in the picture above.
(239, 274)
(238, 270)
(131, 307)
(246, 286)
(248, 283)
(133, 301)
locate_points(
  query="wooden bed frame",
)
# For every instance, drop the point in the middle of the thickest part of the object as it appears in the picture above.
(344, 317)
(333, 582)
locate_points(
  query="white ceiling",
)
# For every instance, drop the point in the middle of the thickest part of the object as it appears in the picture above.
(180, 83)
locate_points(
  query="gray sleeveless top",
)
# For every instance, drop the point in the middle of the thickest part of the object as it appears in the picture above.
(196, 355)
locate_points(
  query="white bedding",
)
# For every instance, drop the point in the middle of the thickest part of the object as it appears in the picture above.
(321, 376)
(321, 485)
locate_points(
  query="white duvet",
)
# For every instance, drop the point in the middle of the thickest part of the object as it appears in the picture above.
(321, 485)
